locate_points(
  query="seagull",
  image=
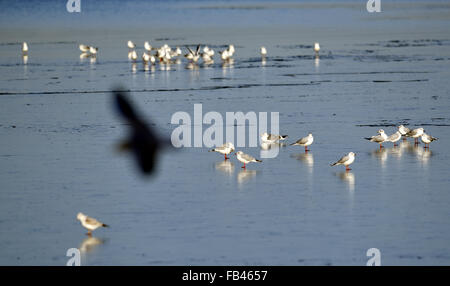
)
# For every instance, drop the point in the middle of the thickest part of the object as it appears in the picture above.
(305, 141)
(142, 140)
(416, 133)
(245, 158)
(272, 138)
(394, 137)
(231, 50)
(193, 56)
(132, 55)
(427, 139)
(378, 138)
(403, 130)
(147, 47)
(346, 161)
(225, 149)
(93, 50)
(89, 223)
(316, 48)
(263, 52)
(224, 55)
(84, 48)
(131, 45)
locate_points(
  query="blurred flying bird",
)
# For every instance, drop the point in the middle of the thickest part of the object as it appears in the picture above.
(142, 140)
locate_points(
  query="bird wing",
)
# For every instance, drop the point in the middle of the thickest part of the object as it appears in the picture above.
(343, 159)
(248, 157)
(302, 140)
(190, 51)
(92, 221)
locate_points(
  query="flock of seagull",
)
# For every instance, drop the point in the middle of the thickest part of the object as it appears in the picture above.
(144, 143)
(347, 160)
(165, 54)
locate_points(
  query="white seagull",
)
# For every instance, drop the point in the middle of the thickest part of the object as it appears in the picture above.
(403, 130)
(263, 52)
(147, 47)
(89, 223)
(131, 45)
(305, 141)
(316, 48)
(225, 149)
(245, 158)
(416, 133)
(380, 138)
(93, 50)
(272, 138)
(427, 139)
(24, 48)
(395, 137)
(346, 161)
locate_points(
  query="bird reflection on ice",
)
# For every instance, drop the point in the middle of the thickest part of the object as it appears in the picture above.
(225, 167)
(89, 244)
(245, 175)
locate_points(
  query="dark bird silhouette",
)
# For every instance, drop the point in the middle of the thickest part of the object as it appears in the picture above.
(142, 140)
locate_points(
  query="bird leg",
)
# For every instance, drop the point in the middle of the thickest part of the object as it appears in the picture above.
(226, 158)
(381, 146)
(395, 144)
(243, 167)
(404, 138)
(347, 168)
(306, 149)
(89, 233)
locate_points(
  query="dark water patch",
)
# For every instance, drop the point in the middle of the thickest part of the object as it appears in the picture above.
(39, 43)
(355, 73)
(409, 43)
(169, 39)
(291, 47)
(376, 125)
(161, 90)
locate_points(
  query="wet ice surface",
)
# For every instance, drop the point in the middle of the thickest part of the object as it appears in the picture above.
(58, 130)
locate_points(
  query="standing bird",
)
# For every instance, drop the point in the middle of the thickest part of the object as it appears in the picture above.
(24, 49)
(416, 133)
(225, 149)
(380, 138)
(245, 158)
(142, 140)
(305, 141)
(131, 45)
(427, 139)
(346, 161)
(193, 56)
(272, 138)
(89, 223)
(394, 138)
(93, 50)
(263, 52)
(403, 130)
(147, 47)
(316, 49)
(84, 48)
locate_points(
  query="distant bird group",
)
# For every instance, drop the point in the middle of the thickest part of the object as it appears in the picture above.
(167, 55)
(402, 132)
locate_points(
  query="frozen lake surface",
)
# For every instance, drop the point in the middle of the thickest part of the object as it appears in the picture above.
(58, 133)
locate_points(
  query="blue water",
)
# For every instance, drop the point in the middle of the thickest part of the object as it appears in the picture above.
(58, 132)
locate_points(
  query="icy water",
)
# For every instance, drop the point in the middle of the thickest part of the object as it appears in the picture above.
(58, 131)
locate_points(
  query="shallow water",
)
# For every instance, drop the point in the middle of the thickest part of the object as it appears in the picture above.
(58, 130)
